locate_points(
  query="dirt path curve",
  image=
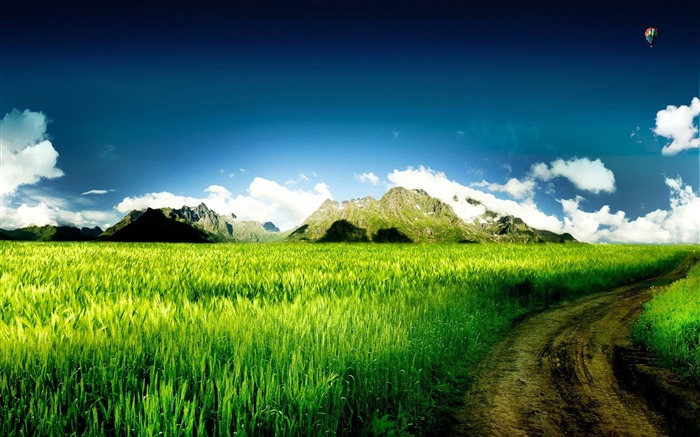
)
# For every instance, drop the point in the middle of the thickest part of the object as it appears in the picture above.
(554, 374)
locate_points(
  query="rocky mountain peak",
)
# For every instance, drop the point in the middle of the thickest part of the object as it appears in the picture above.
(270, 227)
(328, 203)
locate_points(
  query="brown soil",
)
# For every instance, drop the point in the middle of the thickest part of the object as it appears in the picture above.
(557, 374)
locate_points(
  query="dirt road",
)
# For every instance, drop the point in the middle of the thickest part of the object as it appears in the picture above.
(554, 375)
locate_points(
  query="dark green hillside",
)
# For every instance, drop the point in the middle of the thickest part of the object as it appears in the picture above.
(344, 231)
(390, 235)
(50, 233)
(153, 226)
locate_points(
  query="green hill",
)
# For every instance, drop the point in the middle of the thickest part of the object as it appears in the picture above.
(50, 233)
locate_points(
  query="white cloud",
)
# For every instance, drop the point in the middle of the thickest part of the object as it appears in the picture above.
(454, 194)
(155, 200)
(50, 213)
(26, 155)
(39, 215)
(266, 200)
(677, 124)
(301, 177)
(99, 192)
(367, 177)
(218, 191)
(634, 136)
(287, 208)
(680, 224)
(582, 172)
(516, 188)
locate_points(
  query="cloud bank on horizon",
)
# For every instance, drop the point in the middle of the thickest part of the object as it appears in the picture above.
(29, 157)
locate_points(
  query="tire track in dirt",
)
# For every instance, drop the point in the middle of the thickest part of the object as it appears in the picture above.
(554, 374)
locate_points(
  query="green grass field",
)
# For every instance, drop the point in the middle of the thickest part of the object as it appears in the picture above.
(280, 339)
(670, 325)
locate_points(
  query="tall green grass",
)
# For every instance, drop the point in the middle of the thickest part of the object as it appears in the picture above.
(670, 325)
(142, 339)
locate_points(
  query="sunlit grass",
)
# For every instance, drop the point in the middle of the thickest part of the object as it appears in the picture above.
(267, 339)
(670, 325)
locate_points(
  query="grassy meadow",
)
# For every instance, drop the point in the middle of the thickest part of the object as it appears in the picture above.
(670, 325)
(278, 339)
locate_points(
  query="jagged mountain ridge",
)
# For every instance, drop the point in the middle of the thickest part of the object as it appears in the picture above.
(215, 227)
(205, 219)
(404, 215)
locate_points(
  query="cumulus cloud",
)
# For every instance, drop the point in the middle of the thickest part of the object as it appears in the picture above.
(266, 200)
(514, 187)
(367, 177)
(39, 215)
(679, 224)
(677, 124)
(582, 172)
(163, 199)
(26, 155)
(456, 195)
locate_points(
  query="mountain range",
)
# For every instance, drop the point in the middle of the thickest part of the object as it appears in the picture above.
(404, 215)
(191, 224)
(400, 216)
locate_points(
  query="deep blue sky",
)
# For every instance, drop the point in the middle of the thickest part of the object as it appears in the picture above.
(177, 96)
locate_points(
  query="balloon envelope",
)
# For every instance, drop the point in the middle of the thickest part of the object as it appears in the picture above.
(651, 34)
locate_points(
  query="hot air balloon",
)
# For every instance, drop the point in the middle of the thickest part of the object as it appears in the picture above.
(651, 34)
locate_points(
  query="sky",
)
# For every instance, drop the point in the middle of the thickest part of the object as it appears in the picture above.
(557, 112)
